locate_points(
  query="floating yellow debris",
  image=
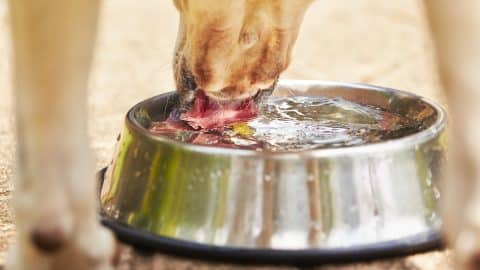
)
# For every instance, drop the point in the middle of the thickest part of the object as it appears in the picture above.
(242, 129)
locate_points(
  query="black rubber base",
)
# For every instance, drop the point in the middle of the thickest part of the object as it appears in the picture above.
(304, 257)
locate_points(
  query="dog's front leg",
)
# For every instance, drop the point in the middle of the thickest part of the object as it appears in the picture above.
(456, 28)
(54, 195)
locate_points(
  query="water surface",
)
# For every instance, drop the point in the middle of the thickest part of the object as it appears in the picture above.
(300, 123)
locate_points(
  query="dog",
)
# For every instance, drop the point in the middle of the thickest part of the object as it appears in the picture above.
(232, 50)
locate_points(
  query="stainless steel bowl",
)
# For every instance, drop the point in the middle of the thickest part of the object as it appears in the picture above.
(381, 196)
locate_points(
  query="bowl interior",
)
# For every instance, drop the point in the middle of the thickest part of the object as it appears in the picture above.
(422, 113)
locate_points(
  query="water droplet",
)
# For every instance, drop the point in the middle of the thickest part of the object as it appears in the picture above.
(436, 193)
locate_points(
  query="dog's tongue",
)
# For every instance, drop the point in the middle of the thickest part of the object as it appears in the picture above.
(207, 113)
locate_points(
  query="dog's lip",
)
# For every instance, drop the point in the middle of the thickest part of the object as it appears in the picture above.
(222, 98)
(187, 99)
(256, 94)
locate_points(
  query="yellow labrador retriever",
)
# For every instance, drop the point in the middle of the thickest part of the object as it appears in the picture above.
(232, 49)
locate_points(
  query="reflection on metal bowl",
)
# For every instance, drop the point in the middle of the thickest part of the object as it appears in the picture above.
(379, 194)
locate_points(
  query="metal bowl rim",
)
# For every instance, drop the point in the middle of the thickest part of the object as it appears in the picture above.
(409, 141)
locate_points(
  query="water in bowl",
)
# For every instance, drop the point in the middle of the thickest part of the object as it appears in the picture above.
(289, 124)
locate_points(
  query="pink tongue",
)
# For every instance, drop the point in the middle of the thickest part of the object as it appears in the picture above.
(207, 113)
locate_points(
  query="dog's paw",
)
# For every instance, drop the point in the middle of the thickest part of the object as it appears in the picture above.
(467, 249)
(23, 257)
(97, 245)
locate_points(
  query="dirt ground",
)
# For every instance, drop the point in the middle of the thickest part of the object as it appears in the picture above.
(373, 41)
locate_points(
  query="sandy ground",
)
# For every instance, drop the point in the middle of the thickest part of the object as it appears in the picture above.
(373, 41)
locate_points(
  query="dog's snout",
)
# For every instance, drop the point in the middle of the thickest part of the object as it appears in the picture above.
(233, 53)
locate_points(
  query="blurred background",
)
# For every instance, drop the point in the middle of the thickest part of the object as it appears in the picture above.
(370, 41)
